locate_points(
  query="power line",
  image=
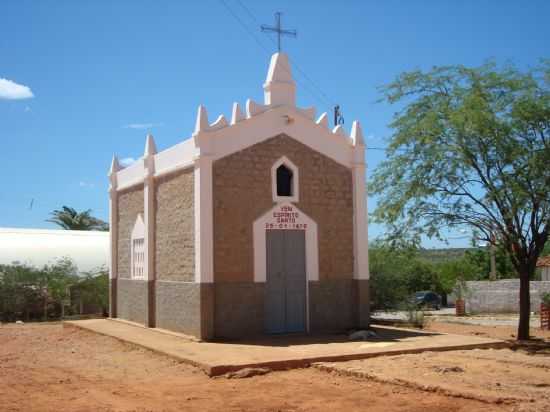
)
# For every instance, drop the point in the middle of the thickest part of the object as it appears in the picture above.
(320, 97)
(385, 149)
(321, 92)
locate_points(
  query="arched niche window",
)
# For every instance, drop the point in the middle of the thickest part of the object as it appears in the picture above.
(284, 181)
(137, 250)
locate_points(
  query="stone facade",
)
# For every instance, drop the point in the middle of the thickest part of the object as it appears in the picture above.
(206, 204)
(239, 309)
(242, 193)
(174, 234)
(501, 296)
(130, 204)
(132, 300)
(184, 307)
(332, 305)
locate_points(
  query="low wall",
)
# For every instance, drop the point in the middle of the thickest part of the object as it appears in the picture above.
(501, 296)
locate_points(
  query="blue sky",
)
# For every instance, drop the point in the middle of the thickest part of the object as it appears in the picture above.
(103, 74)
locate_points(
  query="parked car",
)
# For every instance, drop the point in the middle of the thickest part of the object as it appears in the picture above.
(427, 299)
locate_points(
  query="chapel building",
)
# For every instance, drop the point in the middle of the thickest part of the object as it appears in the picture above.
(257, 225)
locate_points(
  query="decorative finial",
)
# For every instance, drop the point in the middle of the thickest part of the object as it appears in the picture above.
(150, 146)
(202, 119)
(236, 114)
(279, 86)
(323, 120)
(357, 134)
(115, 166)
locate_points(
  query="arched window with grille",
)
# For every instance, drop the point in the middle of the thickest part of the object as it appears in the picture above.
(137, 250)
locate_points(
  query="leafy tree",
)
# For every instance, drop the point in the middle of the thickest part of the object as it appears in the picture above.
(19, 294)
(471, 148)
(70, 219)
(56, 280)
(93, 289)
(398, 272)
(480, 259)
(387, 286)
(451, 271)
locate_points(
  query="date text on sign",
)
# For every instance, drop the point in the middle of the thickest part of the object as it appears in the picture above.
(286, 217)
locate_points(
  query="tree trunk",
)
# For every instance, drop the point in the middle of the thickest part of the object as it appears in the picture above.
(492, 252)
(45, 307)
(524, 305)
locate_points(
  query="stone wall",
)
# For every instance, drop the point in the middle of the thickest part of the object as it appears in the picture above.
(239, 307)
(501, 296)
(332, 305)
(132, 301)
(130, 204)
(178, 306)
(242, 193)
(174, 234)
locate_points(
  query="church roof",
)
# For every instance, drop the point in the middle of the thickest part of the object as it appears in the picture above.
(278, 114)
(89, 250)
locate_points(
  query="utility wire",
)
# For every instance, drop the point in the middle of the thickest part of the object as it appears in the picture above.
(319, 97)
(304, 74)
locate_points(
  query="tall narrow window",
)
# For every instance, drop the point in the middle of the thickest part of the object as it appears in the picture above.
(137, 250)
(138, 258)
(284, 181)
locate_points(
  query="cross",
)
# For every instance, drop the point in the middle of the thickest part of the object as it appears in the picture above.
(277, 29)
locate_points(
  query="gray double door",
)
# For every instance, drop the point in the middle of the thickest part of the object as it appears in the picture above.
(285, 300)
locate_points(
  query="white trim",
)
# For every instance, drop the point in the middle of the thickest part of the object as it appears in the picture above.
(360, 222)
(230, 139)
(204, 227)
(271, 217)
(113, 232)
(138, 235)
(295, 181)
(279, 116)
(274, 121)
(149, 206)
(149, 224)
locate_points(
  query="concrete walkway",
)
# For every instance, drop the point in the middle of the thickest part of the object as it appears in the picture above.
(277, 353)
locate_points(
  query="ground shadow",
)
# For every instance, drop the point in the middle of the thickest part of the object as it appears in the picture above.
(383, 334)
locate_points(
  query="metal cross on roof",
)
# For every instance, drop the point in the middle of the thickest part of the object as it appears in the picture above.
(277, 29)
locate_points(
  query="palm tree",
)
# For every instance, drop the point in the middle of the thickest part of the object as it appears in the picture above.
(69, 219)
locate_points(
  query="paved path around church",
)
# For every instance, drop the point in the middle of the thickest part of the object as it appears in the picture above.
(280, 353)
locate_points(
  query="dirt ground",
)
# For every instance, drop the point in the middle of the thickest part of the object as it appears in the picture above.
(497, 332)
(49, 368)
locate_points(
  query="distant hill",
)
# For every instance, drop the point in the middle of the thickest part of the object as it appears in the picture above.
(441, 255)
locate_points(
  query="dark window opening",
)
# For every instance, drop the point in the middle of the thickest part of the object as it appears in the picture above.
(284, 181)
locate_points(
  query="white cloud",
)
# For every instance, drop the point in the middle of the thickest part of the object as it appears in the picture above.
(12, 91)
(142, 125)
(86, 184)
(127, 161)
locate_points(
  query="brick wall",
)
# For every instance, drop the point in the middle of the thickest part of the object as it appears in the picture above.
(174, 235)
(242, 193)
(130, 204)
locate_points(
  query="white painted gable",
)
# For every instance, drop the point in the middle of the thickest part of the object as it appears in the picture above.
(277, 115)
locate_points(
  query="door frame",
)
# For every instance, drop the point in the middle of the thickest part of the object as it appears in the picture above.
(286, 216)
